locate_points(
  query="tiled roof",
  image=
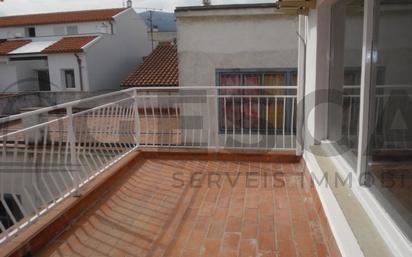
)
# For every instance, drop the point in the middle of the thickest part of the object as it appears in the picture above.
(11, 45)
(160, 68)
(60, 17)
(69, 45)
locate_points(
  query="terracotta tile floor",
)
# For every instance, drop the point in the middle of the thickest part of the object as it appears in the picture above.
(200, 208)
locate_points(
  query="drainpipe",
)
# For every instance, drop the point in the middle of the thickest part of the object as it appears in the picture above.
(79, 63)
(111, 27)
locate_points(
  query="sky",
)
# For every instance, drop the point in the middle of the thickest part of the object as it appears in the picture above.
(14, 7)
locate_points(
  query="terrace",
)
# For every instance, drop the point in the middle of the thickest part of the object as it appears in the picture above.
(190, 172)
(201, 171)
(240, 168)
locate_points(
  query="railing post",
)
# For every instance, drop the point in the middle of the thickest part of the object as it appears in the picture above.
(71, 138)
(215, 107)
(136, 120)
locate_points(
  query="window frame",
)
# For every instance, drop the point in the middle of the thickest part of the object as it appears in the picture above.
(30, 32)
(71, 27)
(65, 80)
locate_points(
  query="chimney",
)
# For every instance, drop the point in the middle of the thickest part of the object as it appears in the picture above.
(207, 2)
(129, 4)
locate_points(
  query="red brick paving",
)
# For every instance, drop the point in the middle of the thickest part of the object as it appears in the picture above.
(145, 214)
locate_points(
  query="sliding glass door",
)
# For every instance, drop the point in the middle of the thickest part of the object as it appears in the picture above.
(370, 99)
(388, 168)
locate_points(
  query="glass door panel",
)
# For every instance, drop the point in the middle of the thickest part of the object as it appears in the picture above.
(390, 127)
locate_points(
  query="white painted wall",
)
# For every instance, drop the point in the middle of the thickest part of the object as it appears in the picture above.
(60, 62)
(209, 43)
(27, 75)
(48, 30)
(113, 57)
(8, 78)
(19, 76)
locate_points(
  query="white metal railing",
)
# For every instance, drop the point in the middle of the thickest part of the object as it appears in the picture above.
(384, 112)
(43, 164)
(50, 156)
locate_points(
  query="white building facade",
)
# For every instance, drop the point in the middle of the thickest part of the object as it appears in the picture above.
(74, 51)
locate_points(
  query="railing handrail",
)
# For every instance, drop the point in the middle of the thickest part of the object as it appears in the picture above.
(59, 106)
(94, 98)
(379, 86)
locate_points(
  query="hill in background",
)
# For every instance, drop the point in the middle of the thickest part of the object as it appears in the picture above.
(164, 21)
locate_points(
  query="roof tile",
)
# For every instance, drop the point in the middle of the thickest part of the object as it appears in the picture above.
(69, 45)
(160, 68)
(60, 17)
(11, 45)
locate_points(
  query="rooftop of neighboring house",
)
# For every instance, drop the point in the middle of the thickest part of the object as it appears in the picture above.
(225, 7)
(45, 46)
(160, 68)
(285, 7)
(60, 17)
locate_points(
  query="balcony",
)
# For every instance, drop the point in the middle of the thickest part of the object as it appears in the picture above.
(199, 171)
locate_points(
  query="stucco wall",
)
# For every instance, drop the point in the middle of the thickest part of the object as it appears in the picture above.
(209, 43)
(113, 57)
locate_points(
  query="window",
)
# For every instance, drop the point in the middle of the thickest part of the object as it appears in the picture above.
(69, 78)
(72, 30)
(30, 32)
(244, 111)
(59, 31)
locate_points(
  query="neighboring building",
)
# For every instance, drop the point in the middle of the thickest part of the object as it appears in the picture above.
(239, 45)
(87, 51)
(219, 40)
(159, 69)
